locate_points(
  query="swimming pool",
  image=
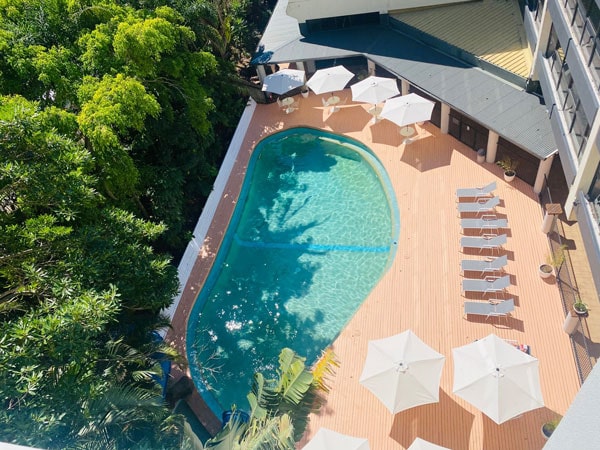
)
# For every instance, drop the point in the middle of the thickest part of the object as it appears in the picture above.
(315, 228)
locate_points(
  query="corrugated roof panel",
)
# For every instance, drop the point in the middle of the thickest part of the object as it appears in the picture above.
(493, 102)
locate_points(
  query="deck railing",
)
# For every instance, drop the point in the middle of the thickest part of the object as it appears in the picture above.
(569, 291)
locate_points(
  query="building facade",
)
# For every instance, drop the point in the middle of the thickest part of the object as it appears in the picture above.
(564, 37)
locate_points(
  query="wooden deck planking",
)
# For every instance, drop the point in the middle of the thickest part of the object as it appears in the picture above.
(422, 289)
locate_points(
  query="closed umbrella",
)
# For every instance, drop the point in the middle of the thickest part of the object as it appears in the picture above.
(402, 371)
(374, 89)
(332, 440)
(283, 81)
(329, 79)
(421, 444)
(497, 378)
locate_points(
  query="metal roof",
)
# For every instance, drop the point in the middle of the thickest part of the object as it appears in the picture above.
(511, 112)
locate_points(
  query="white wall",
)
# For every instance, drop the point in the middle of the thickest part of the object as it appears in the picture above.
(317, 9)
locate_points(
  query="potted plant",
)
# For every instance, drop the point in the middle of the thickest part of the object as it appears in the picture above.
(579, 307)
(509, 166)
(545, 270)
(553, 262)
(304, 91)
(549, 427)
(481, 155)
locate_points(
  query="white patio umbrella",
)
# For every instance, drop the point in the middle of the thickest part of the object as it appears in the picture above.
(402, 371)
(329, 79)
(326, 439)
(421, 444)
(374, 89)
(283, 81)
(407, 109)
(497, 378)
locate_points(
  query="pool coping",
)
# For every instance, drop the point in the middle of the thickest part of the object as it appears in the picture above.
(354, 145)
(200, 255)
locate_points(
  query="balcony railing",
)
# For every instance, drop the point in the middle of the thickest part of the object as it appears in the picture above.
(584, 20)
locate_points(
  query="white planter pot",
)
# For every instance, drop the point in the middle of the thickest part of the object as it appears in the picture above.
(509, 178)
(545, 270)
(304, 94)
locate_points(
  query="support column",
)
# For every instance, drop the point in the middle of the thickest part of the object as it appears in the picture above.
(300, 65)
(370, 67)
(404, 86)
(543, 171)
(445, 118)
(552, 211)
(492, 147)
(310, 66)
(260, 70)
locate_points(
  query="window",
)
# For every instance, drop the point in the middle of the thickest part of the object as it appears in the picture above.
(594, 195)
(568, 101)
(336, 23)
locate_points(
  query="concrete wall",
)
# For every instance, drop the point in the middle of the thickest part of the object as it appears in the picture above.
(304, 10)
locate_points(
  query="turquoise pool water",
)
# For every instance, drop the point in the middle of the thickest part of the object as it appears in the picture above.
(314, 229)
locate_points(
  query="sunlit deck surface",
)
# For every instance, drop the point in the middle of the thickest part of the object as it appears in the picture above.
(490, 29)
(422, 290)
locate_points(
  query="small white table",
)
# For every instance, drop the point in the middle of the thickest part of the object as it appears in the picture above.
(375, 111)
(407, 131)
(287, 101)
(333, 101)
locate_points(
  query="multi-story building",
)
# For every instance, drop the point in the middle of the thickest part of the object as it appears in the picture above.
(563, 35)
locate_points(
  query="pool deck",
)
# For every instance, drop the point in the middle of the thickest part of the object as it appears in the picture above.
(422, 289)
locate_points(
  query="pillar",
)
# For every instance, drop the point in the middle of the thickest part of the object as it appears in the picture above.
(542, 172)
(310, 66)
(370, 67)
(300, 65)
(445, 118)
(571, 323)
(552, 210)
(260, 70)
(492, 147)
(404, 85)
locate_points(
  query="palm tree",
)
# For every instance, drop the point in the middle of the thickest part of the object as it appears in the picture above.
(279, 407)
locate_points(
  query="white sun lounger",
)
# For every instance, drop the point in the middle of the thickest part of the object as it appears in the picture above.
(486, 222)
(483, 242)
(477, 192)
(483, 266)
(480, 206)
(490, 309)
(489, 284)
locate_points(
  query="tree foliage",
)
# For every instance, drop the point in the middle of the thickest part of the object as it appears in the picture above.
(114, 117)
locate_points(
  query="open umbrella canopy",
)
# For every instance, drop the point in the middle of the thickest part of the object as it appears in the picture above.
(374, 89)
(283, 81)
(402, 371)
(421, 444)
(497, 378)
(332, 440)
(329, 79)
(407, 109)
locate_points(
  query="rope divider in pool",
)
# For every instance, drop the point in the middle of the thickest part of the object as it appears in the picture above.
(314, 247)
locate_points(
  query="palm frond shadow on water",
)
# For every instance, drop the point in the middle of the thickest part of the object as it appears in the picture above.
(268, 264)
(284, 249)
